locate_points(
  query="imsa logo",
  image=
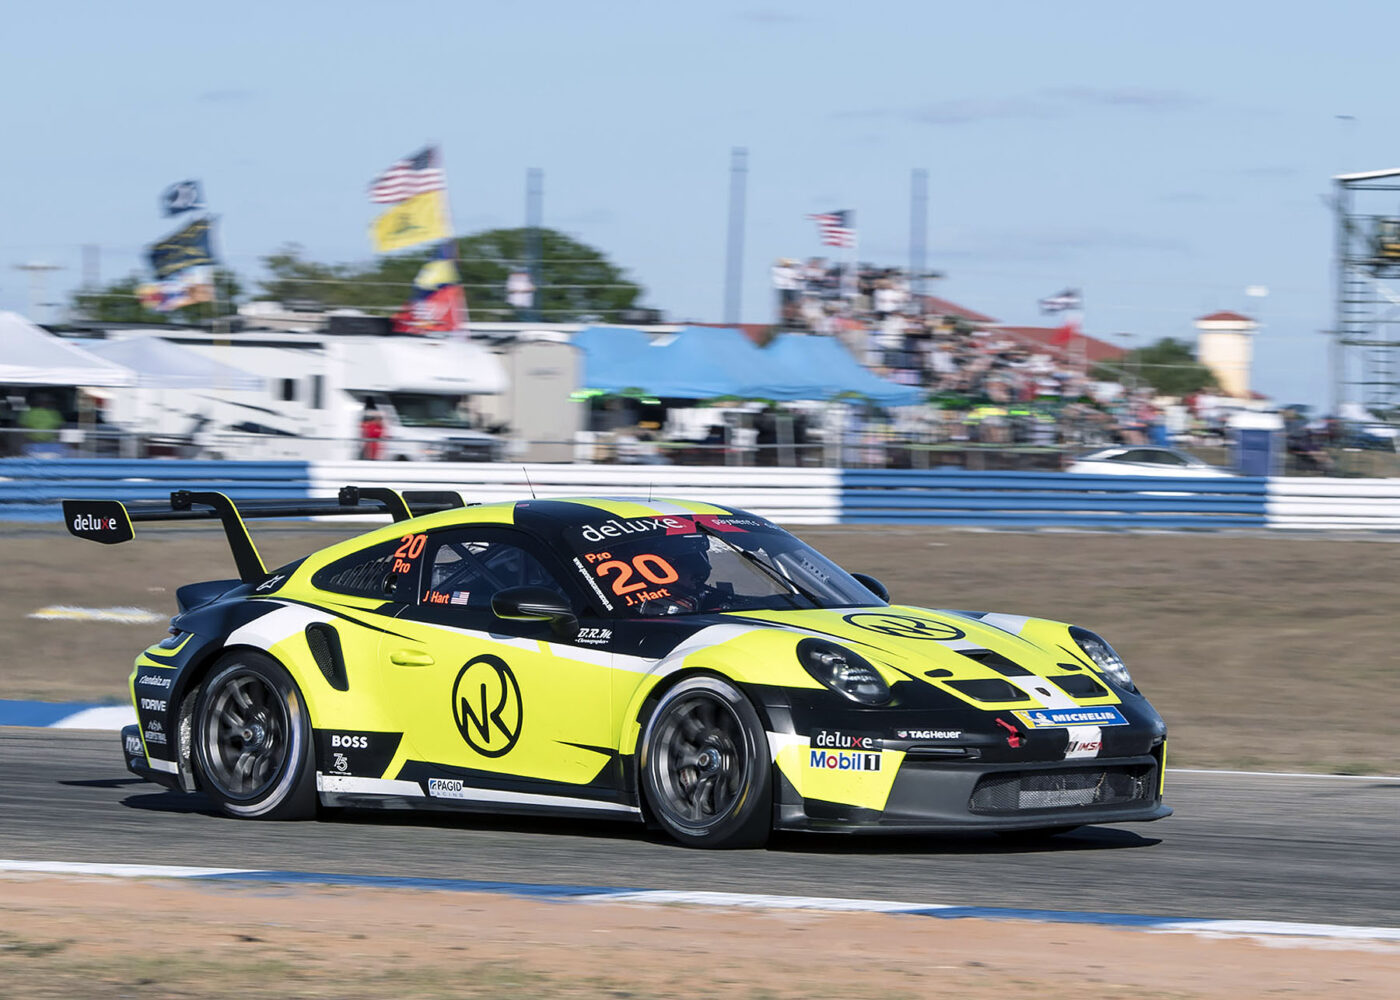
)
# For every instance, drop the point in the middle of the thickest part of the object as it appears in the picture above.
(826, 760)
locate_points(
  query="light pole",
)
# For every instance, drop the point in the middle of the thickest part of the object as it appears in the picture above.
(38, 285)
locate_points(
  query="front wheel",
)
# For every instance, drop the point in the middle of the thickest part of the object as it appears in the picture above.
(252, 740)
(705, 767)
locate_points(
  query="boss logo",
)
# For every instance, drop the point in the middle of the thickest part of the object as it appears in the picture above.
(349, 742)
(153, 704)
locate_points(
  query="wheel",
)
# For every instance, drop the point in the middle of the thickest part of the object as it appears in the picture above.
(705, 768)
(252, 740)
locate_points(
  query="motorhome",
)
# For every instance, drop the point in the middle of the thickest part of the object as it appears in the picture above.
(314, 391)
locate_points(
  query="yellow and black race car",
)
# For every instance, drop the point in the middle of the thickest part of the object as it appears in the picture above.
(680, 663)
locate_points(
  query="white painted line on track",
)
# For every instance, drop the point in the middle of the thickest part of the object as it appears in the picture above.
(1274, 932)
(1286, 774)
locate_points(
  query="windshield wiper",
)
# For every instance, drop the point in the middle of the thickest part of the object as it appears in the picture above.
(768, 569)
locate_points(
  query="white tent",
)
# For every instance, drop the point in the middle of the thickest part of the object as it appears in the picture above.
(29, 356)
(160, 364)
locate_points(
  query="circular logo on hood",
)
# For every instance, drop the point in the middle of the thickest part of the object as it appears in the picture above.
(905, 626)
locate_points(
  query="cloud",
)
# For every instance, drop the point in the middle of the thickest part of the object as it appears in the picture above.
(1141, 98)
(965, 112)
(229, 95)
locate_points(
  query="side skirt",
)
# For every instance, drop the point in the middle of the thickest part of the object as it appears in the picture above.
(338, 790)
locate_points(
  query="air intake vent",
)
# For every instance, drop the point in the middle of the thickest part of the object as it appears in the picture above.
(1081, 686)
(990, 689)
(325, 650)
(1059, 789)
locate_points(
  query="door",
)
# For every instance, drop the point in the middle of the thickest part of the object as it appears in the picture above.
(487, 702)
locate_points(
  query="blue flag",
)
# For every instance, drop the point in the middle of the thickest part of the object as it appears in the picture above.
(189, 247)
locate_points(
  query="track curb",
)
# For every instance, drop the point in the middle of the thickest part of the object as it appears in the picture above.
(1276, 931)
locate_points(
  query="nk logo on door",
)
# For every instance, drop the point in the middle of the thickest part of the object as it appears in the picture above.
(487, 707)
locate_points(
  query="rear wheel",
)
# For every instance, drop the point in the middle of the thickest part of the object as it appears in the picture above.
(252, 740)
(705, 767)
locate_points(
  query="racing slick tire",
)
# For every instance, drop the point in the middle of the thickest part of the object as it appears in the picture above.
(252, 740)
(705, 767)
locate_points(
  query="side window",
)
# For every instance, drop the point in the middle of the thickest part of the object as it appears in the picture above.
(372, 572)
(465, 569)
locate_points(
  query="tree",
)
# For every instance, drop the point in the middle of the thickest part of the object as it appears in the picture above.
(119, 302)
(1168, 366)
(574, 279)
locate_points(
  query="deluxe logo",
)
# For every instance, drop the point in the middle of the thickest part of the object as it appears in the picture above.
(153, 704)
(1060, 718)
(834, 739)
(349, 742)
(613, 528)
(91, 522)
(153, 680)
(828, 761)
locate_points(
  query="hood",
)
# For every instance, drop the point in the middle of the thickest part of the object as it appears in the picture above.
(977, 662)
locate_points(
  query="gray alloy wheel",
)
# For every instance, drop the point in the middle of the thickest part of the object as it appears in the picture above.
(705, 766)
(252, 740)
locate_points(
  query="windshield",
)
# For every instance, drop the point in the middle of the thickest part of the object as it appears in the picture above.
(422, 409)
(677, 565)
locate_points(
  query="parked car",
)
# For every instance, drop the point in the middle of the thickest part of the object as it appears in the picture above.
(1136, 460)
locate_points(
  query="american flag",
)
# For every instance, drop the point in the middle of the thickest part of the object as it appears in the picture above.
(420, 173)
(1070, 300)
(460, 596)
(838, 229)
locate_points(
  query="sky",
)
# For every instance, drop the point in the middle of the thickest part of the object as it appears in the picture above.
(1162, 158)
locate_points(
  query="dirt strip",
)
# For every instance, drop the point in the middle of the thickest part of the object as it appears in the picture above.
(98, 937)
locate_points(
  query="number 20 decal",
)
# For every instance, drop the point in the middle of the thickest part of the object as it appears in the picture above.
(411, 548)
(652, 568)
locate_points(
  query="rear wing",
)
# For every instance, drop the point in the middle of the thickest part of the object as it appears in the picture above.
(111, 521)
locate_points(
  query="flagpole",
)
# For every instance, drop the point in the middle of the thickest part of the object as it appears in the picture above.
(452, 242)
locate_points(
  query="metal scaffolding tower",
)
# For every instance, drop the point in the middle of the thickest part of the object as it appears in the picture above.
(1366, 367)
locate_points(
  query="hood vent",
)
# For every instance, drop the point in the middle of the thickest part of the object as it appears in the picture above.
(997, 662)
(989, 689)
(1080, 686)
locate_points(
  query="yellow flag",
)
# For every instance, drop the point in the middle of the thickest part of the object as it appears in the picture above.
(420, 219)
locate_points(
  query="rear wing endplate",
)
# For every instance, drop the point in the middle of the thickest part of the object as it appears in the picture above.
(111, 521)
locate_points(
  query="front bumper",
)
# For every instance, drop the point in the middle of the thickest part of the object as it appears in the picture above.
(953, 796)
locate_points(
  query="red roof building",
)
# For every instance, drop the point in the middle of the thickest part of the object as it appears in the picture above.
(1225, 316)
(1048, 340)
(942, 307)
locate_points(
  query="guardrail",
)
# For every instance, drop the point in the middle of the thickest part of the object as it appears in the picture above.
(31, 488)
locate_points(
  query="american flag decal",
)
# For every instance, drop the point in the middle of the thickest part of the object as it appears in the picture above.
(420, 173)
(460, 596)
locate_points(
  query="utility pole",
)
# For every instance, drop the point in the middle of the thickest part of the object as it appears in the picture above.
(534, 214)
(734, 249)
(38, 286)
(918, 232)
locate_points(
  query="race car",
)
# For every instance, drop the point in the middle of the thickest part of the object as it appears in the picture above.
(684, 664)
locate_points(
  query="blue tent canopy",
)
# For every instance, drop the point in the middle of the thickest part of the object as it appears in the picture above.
(709, 362)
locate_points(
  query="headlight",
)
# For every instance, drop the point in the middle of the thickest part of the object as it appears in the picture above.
(1103, 654)
(843, 671)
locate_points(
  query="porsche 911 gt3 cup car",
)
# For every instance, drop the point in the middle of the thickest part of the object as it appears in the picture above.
(682, 663)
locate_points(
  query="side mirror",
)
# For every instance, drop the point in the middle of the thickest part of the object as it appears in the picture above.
(873, 585)
(535, 604)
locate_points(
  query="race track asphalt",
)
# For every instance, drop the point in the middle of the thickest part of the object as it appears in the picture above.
(1310, 849)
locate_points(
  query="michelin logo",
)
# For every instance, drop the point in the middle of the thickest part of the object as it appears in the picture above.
(1059, 718)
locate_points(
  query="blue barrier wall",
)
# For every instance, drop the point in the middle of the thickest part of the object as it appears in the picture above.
(1049, 499)
(31, 488)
